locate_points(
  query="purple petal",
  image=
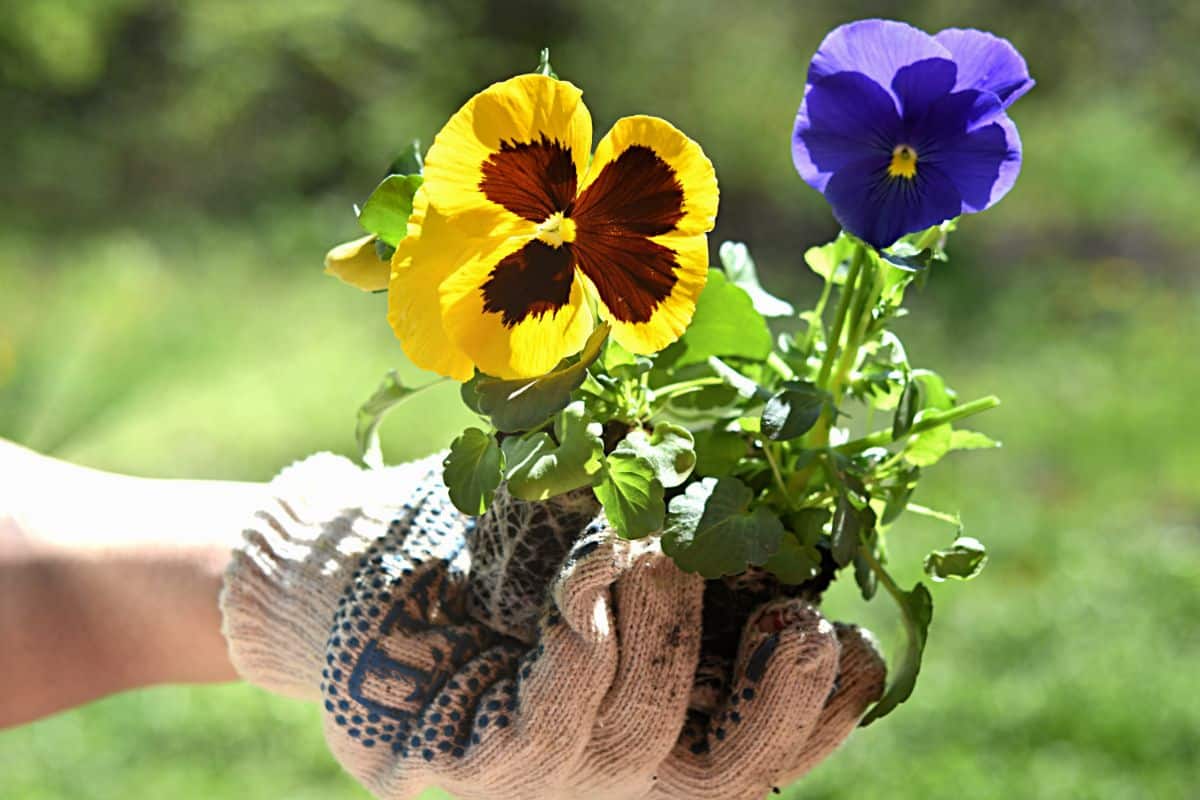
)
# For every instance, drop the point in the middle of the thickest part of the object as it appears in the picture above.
(950, 117)
(844, 118)
(983, 164)
(877, 48)
(879, 209)
(918, 86)
(988, 63)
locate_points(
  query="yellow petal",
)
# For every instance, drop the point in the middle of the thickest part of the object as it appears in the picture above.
(358, 264)
(518, 310)
(519, 147)
(423, 259)
(641, 221)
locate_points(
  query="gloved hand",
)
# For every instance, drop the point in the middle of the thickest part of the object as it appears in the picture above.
(356, 590)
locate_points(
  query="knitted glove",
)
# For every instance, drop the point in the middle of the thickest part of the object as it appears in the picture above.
(354, 589)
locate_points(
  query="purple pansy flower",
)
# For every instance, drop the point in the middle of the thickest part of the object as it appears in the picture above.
(901, 130)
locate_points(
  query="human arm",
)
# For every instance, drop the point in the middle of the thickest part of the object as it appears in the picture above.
(109, 582)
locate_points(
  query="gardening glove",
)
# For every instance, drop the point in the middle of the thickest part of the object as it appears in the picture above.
(761, 712)
(327, 600)
(352, 590)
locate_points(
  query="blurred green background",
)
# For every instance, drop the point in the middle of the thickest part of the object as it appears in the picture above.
(174, 171)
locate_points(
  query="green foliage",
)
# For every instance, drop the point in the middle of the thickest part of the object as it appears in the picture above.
(794, 410)
(741, 271)
(670, 452)
(386, 211)
(631, 494)
(725, 324)
(539, 467)
(543, 67)
(794, 562)
(963, 560)
(523, 404)
(392, 392)
(916, 607)
(472, 471)
(832, 261)
(852, 525)
(712, 530)
(718, 452)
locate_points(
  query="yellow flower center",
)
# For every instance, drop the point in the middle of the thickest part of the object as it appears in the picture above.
(904, 162)
(556, 230)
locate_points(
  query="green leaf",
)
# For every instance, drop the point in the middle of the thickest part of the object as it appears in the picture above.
(409, 162)
(794, 563)
(971, 440)
(711, 530)
(620, 363)
(916, 607)
(472, 471)
(537, 469)
(938, 396)
(906, 257)
(543, 67)
(522, 404)
(898, 494)
(962, 560)
(631, 495)
(906, 409)
(745, 387)
(741, 271)
(832, 261)
(670, 451)
(794, 410)
(385, 252)
(851, 525)
(386, 211)
(807, 524)
(718, 452)
(391, 393)
(927, 448)
(865, 577)
(725, 324)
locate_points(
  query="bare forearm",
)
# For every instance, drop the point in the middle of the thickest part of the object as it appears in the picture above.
(108, 582)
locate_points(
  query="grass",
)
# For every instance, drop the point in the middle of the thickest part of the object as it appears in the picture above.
(1065, 670)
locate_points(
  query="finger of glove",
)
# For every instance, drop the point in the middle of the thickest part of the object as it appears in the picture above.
(534, 716)
(399, 633)
(786, 665)
(298, 552)
(862, 674)
(658, 630)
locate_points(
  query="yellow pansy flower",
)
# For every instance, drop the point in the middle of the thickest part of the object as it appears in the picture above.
(516, 243)
(356, 263)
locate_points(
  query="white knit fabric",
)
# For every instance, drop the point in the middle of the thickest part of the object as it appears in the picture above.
(351, 589)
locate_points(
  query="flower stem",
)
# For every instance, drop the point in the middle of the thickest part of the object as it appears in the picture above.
(818, 317)
(839, 319)
(927, 422)
(683, 387)
(860, 317)
(783, 491)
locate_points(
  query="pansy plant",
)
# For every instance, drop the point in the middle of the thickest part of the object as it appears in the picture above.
(569, 291)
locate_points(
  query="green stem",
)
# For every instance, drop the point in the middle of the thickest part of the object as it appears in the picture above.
(818, 316)
(783, 492)
(683, 387)
(861, 317)
(776, 362)
(818, 437)
(886, 579)
(941, 516)
(927, 422)
(839, 319)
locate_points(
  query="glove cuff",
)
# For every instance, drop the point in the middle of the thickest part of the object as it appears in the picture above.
(282, 585)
